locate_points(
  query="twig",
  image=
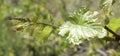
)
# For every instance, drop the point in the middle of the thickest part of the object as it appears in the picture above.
(31, 23)
(117, 37)
(103, 53)
(49, 25)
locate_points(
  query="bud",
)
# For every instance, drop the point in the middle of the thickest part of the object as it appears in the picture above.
(19, 27)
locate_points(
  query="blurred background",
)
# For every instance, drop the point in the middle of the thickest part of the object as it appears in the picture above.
(29, 28)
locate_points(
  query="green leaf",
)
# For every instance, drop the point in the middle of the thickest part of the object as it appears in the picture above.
(83, 15)
(78, 33)
(114, 23)
(85, 28)
(107, 6)
(103, 33)
(44, 34)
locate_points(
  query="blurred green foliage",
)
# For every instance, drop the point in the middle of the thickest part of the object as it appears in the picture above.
(28, 34)
(30, 28)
